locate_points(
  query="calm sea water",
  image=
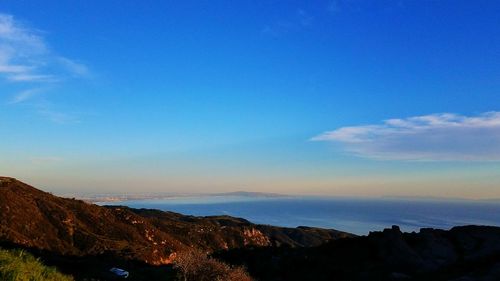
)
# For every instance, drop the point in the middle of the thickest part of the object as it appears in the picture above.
(357, 216)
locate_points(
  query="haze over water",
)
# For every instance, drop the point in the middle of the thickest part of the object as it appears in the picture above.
(357, 216)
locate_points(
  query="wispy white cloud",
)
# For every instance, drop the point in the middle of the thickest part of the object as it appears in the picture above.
(25, 95)
(435, 137)
(27, 77)
(26, 57)
(76, 69)
(22, 51)
(27, 60)
(14, 69)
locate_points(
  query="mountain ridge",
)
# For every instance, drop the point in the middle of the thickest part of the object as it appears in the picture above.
(33, 218)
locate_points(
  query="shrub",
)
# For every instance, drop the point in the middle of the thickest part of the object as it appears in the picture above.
(17, 265)
(195, 265)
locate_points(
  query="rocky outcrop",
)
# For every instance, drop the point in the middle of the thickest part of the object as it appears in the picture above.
(462, 253)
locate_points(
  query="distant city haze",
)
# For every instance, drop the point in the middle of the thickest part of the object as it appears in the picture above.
(337, 98)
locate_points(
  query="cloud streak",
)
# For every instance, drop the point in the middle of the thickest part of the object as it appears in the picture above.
(435, 137)
(27, 60)
(25, 56)
(25, 95)
(22, 51)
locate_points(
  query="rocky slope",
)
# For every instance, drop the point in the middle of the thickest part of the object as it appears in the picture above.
(35, 219)
(463, 253)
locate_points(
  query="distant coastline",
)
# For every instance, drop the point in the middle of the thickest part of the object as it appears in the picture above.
(354, 215)
(112, 197)
(101, 198)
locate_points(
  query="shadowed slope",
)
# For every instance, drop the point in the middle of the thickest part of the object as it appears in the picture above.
(463, 253)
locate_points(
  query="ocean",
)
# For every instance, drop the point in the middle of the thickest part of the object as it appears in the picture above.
(354, 215)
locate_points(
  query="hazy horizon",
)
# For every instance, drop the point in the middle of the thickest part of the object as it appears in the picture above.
(336, 98)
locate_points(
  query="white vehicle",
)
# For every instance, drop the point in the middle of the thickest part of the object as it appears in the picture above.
(119, 272)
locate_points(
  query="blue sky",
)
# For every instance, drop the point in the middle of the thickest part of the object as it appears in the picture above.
(357, 98)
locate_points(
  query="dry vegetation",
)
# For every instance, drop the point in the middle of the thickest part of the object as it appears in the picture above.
(195, 265)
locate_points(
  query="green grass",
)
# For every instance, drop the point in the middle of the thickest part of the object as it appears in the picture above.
(17, 265)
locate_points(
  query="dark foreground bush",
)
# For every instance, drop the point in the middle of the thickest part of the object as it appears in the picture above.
(195, 265)
(17, 265)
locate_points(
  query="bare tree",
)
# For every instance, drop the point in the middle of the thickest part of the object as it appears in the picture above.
(195, 265)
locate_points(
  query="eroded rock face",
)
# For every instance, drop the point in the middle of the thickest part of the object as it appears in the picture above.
(253, 236)
(33, 218)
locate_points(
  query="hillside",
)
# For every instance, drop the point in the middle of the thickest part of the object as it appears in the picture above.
(35, 219)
